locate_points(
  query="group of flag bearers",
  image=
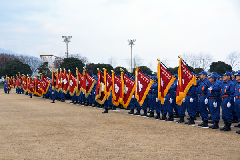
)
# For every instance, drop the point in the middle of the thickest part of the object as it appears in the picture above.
(165, 93)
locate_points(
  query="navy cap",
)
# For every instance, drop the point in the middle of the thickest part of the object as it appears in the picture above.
(238, 73)
(213, 76)
(204, 72)
(233, 72)
(227, 74)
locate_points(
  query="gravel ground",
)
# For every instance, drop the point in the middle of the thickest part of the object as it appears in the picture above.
(37, 129)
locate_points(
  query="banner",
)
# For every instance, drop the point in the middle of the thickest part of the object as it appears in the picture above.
(128, 88)
(185, 80)
(38, 90)
(107, 83)
(72, 84)
(65, 82)
(54, 80)
(143, 84)
(88, 83)
(24, 83)
(100, 95)
(79, 82)
(31, 85)
(165, 81)
(116, 89)
(45, 83)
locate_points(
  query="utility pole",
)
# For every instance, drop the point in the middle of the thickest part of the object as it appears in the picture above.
(131, 42)
(67, 40)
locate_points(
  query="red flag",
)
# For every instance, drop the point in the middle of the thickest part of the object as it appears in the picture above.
(88, 83)
(116, 89)
(38, 90)
(165, 80)
(14, 82)
(72, 84)
(8, 83)
(19, 82)
(128, 88)
(31, 86)
(107, 83)
(100, 96)
(79, 82)
(143, 84)
(45, 83)
(54, 80)
(65, 82)
(24, 83)
(185, 80)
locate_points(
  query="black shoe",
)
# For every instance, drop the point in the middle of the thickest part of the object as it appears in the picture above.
(176, 115)
(170, 118)
(215, 125)
(106, 110)
(144, 113)
(194, 118)
(72, 101)
(137, 113)
(235, 119)
(238, 131)
(224, 127)
(228, 127)
(238, 125)
(191, 121)
(53, 101)
(205, 123)
(151, 114)
(164, 116)
(31, 97)
(114, 108)
(181, 119)
(131, 112)
(158, 116)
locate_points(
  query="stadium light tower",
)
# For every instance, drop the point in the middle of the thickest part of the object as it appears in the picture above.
(131, 43)
(67, 40)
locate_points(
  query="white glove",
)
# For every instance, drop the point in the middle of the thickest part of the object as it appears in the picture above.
(234, 99)
(183, 100)
(83, 92)
(210, 88)
(215, 104)
(156, 99)
(228, 104)
(191, 100)
(133, 96)
(164, 99)
(206, 101)
(52, 92)
(170, 100)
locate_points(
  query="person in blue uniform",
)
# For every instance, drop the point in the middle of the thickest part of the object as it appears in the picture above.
(5, 86)
(227, 95)
(235, 118)
(214, 100)
(170, 100)
(237, 99)
(203, 100)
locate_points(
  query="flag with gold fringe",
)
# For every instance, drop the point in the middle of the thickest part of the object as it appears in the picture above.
(100, 95)
(45, 83)
(72, 84)
(185, 80)
(24, 83)
(65, 82)
(31, 85)
(165, 80)
(79, 82)
(116, 89)
(54, 80)
(107, 83)
(38, 90)
(143, 84)
(128, 88)
(88, 83)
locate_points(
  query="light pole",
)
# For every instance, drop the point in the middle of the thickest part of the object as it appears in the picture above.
(131, 42)
(67, 40)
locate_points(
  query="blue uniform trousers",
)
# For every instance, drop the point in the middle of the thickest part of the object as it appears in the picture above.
(215, 111)
(226, 112)
(191, 106)
(203, 108)
(237, 107)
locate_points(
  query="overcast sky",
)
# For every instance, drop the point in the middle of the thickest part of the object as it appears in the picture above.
(100, 28)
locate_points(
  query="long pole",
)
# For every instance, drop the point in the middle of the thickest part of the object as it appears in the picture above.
(131, 57)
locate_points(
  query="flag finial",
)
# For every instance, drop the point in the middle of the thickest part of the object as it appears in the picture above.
(179, 56)
(158, 59)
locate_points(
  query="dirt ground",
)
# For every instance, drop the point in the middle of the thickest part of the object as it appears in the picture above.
(37, 129)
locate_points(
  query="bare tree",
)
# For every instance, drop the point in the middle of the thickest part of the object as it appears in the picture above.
(80, 57)
(112, 61)
(233, 59)
(57, 61)
(137, 61)
(201, 60)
